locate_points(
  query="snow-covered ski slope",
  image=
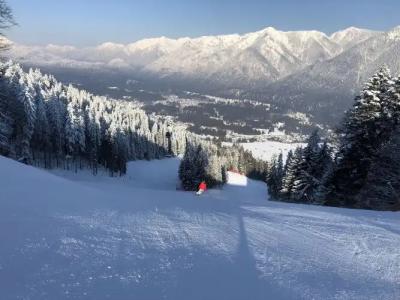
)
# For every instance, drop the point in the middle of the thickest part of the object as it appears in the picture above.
(83, 237)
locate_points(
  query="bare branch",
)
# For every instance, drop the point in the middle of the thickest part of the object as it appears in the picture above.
(6, 21)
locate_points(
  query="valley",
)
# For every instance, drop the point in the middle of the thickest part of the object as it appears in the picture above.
(259, 82)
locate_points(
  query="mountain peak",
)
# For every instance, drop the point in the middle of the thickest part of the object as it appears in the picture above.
(394, 33)
(352, 35)
(269, 29)
(349, 31)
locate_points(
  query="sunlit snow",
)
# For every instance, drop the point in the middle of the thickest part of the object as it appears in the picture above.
(74, 236)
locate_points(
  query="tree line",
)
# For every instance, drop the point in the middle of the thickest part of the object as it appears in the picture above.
(359, 168)
(48, 124)
(210, 162)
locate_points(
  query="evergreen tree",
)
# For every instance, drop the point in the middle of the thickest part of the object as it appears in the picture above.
(364, 131)
(200, 163)
(6, 120)
(27, 118)
(323, 160)
(192, 167)
(291, 172)
(275, 176)
(224, 176)
(314, 162)
(6, 124)
(214, 171)
(324, 188)
(382, 186)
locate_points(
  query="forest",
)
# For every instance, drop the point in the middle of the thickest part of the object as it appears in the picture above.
(359, 168)
(51, 125)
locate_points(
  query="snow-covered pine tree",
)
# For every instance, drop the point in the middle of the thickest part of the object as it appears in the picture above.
(6, 124)
(382, 186)
(25, 95)
(40, 141)
(324, 165)
(289, 158)
(214, 171)
(364, 131)
(56, 115)
(275, 176)
(6, 120)
(285, 186)
(324, 188)
(309, 170)
(200, 163)
(92, 142)
(324, 160)
(75, 133)
(224, 175)
(291, 171)
(392, 105)
(119, 153)
(187, 172)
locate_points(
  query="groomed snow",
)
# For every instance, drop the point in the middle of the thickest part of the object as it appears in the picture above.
(137, 237)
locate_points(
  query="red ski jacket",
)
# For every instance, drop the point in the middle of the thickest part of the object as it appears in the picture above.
(203, 186)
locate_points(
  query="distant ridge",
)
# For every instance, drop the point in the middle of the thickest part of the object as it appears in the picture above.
(266, 55)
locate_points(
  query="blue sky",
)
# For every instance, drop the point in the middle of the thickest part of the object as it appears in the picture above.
(90, 22)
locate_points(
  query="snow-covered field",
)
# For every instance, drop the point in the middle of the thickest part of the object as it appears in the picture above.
(267, 149)
(80, 237)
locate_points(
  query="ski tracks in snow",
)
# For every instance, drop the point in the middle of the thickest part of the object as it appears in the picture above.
(139, 238)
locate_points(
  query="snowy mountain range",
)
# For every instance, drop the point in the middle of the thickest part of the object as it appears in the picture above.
(307, 72)
(352, 67)
(263, 56)
(327, 87)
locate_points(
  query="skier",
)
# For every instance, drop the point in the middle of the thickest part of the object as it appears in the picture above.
(202, 188)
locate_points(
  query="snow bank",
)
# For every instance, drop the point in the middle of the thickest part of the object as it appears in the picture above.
(236, 179)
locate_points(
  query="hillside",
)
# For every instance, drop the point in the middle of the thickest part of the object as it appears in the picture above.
(306, 72)
(76, 236)
(327, 88)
